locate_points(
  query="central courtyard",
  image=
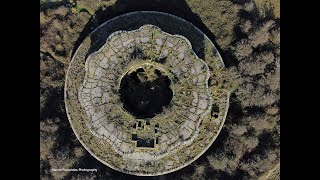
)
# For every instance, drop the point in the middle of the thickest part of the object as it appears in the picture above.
(145, 91)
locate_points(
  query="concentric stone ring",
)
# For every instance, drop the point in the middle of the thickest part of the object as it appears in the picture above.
(142, 103)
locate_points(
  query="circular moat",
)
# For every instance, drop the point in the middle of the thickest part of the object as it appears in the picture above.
(138, 95)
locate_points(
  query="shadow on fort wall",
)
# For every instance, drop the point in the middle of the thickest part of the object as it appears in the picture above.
(174, 7)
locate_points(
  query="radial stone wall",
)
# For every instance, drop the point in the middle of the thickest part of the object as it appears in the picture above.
(169, 140)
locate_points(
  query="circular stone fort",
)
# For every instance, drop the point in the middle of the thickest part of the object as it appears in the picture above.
(144, 94)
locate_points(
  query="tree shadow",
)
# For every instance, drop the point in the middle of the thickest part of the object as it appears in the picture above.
(235, 111)
(53, 5)
(266, 143)
(54, 105)
(65, 138)
(269, 11)
(254, 110)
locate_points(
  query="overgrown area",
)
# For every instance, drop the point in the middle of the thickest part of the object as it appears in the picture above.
(247, 34)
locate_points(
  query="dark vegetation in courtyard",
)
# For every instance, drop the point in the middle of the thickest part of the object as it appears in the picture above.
(144, 97)
(248, 145)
